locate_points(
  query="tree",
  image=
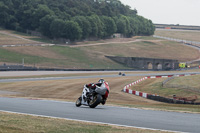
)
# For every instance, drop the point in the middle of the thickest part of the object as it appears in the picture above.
(71, 31)
(133, 26)
(57, 28)
(94, 27)
(128, 28)
(123, 26)
(100, 27)
(94, 19)
(151, 27)
(84, 25)
(39, 13)
(109, 26)
(145, 26)
(45, 24)
(5, 17)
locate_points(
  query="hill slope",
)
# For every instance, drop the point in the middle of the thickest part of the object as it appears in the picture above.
(92, 54)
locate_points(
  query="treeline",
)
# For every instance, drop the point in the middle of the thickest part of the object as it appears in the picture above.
(73, 19)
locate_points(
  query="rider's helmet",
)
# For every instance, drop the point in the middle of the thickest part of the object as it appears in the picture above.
(101, 80)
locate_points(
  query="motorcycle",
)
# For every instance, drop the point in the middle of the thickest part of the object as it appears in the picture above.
(92, 98)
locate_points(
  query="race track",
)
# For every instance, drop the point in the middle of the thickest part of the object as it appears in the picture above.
(93, 76)
(129, 117)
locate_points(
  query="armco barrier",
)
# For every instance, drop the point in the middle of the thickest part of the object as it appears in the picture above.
(167, 80)
(153, 96)
(193, 43)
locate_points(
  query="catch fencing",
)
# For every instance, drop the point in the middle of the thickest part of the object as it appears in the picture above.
(193, 43)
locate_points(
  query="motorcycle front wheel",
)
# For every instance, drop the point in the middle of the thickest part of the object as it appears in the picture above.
(95, 101)
(78, 102)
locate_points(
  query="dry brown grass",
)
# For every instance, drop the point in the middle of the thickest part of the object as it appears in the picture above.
(17, 34)
(124, 47)
(192, 81)
(71, 89)
(7, 37)
(36, 51)
(15, 123)
(10, 40)
(148, 49)
(117, 40)
(181, 34)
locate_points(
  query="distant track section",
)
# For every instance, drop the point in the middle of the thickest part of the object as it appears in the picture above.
(92, 76)
(182, 27)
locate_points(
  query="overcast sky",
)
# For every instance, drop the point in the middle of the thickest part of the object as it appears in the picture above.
(183, 12)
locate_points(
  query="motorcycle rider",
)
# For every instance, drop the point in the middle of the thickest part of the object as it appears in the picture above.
(92, 86)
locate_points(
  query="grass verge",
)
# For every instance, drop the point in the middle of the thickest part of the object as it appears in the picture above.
(44, 40)
(180, 34)
(15, 123)
(187, 86)
(15, 57)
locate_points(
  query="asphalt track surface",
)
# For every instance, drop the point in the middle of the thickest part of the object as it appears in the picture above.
(128, 117)
(37, 73)
(93, 76)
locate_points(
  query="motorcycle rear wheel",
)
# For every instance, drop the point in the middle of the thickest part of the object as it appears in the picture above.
(95, 101)
(78, 102)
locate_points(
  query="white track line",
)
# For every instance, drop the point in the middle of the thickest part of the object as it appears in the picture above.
(92, 122)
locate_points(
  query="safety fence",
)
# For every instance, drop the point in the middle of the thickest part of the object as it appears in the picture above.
(164, 84)
(167, 80)
(193, 43)
(20, 67)
(154, 96)
(20, 45)
(184, 87)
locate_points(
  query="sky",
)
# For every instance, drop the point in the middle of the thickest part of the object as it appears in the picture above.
(183, 12)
